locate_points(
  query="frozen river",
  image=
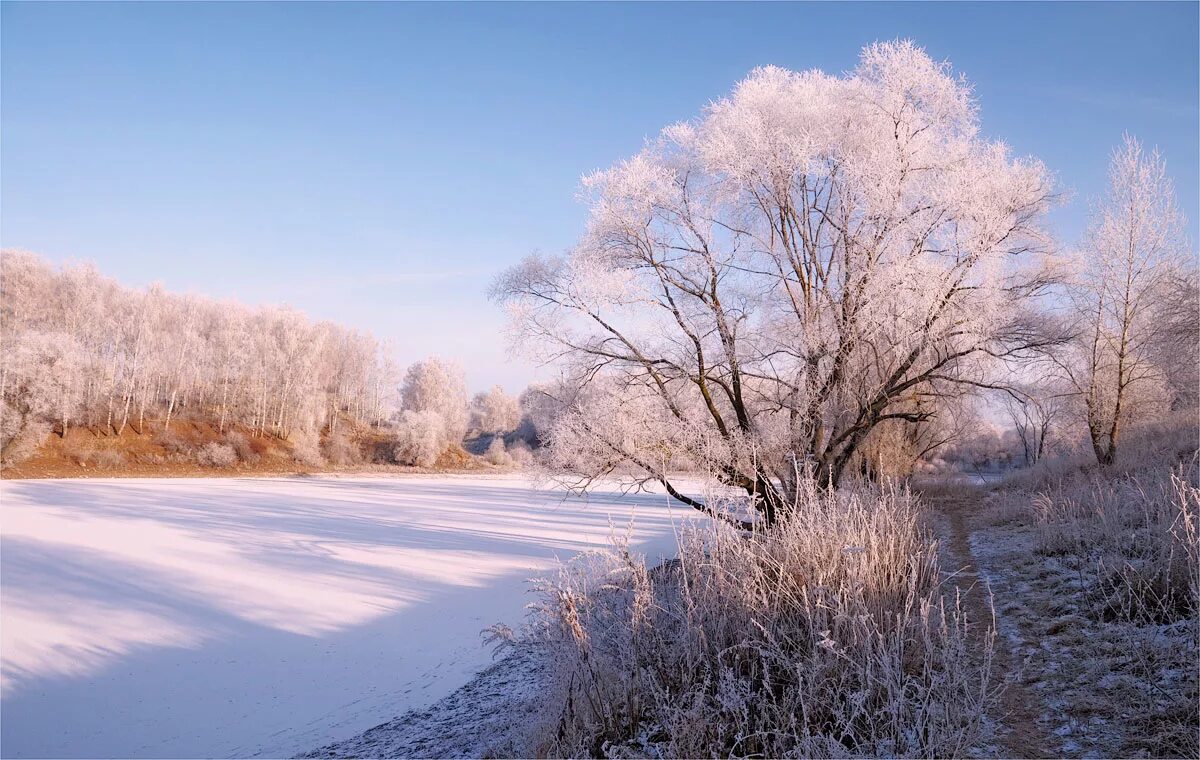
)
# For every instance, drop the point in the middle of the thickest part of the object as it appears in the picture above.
(255, 616)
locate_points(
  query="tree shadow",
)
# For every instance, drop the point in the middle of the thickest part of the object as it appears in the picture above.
(232, 617)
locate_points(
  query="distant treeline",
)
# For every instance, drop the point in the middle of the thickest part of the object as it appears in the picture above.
(79, 349)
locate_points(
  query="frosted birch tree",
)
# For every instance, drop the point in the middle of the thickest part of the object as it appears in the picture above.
(1134, 257)
(438, 386)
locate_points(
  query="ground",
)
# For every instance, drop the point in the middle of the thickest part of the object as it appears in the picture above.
(84, 452)
(489, 717)
(1073, 685)
(342, 617)
(1015, 730)
(253, 616)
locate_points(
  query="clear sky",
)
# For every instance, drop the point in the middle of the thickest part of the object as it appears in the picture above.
(376, 164)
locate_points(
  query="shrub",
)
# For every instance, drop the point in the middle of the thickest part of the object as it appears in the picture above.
(520, 453)
(173, 442)
(306, 448)
(827, 635)
(382, 450)
(25, 442)
(242, 446)
(215, 454)
(107, 459)
(340, 449)
(78, 449)
(11, 422)
(496, 454)
(421, 438)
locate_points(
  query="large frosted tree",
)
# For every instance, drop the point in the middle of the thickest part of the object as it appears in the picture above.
(759, 289)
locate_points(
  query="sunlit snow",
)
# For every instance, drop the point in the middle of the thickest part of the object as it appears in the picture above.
(234, 617)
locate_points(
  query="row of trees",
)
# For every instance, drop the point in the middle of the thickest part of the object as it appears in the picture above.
(822, 269)
(435, 414)
(81, 350)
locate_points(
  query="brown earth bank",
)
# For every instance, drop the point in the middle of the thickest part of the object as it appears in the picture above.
(157, 452)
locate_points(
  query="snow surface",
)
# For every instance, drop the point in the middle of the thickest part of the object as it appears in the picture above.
(495, 715)
(247, 616)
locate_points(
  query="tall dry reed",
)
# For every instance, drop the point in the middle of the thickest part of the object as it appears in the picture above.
(829, 635)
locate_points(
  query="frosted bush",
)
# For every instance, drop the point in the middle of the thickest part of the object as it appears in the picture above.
(10, 423)
(520, 453)
(79, 450)
(242, 446)
(173, 442)
(215, 454)
(26, 442)
(306, 448)
(421, 438)
(826, 636)
(107, 459)
(496, 453)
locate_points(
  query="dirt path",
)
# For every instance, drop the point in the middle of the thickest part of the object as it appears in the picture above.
(1020, 734)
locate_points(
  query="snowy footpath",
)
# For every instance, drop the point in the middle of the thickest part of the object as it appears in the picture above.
(252, 616)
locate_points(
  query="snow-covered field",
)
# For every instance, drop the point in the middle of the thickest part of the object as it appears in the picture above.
(241, 617)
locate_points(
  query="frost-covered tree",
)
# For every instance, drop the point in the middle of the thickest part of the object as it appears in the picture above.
(541, 406)
(438, 386)
(1036, 413)
(421, 437)
(80, 350)
(495, 411)
(1134, 261)
(38, 386)
(1175, 348)
(760, 288)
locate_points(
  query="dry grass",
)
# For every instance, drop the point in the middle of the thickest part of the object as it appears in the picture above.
(193, 448)
(827, 636)
(1107, 591)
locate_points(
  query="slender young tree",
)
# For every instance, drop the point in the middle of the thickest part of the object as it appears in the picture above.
(1134, 254)
(1035, 412)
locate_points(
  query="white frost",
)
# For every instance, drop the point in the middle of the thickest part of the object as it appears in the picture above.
(236, 617)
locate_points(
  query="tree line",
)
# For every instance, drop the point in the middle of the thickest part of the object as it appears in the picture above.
(82, 350)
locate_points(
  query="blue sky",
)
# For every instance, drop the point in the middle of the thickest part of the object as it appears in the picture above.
(377, 164)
